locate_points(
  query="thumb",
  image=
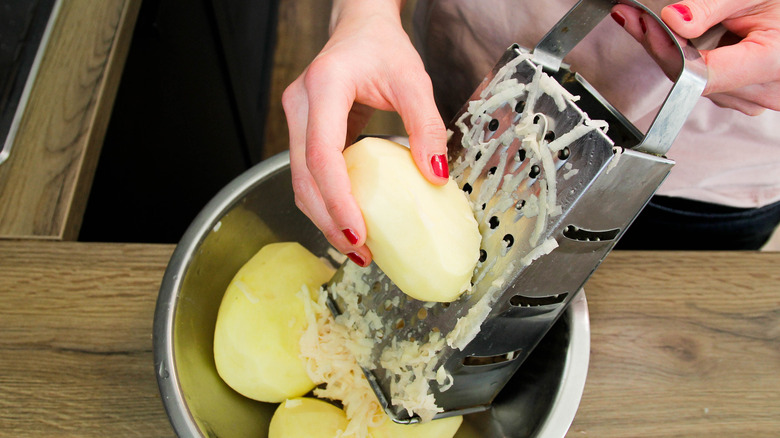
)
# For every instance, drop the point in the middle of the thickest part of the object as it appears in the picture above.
(751, 61)
(427, 134)
(691, 18)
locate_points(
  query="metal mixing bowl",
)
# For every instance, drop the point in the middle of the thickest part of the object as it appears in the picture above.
(258, 208)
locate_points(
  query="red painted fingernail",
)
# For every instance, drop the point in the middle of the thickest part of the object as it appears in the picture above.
(642, 24)
(439, 166)
(351, 236)
(619, 19)
(355, 257)
(684, 11)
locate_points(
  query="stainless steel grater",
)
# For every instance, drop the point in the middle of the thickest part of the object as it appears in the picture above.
(555, 175)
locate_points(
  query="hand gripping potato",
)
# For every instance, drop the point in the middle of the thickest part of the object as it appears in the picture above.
(424, 237)
(260, 322)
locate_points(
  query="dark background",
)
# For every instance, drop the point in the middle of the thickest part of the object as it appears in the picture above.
(188, 117)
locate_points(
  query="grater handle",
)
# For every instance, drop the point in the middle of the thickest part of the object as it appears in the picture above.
(687, 87)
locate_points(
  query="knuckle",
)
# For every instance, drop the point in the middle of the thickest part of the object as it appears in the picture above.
(335, 237)
(289, 99)
(299, 202)
(291, 96)
(316, 157)
(336, 208)
(433, 129)
(301, 186)
(321, 71)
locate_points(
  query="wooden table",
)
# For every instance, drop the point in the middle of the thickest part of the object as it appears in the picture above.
(683, 344)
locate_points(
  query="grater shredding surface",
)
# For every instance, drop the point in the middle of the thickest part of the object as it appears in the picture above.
(552, 195)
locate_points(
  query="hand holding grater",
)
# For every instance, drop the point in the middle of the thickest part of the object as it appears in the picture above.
(552, 190)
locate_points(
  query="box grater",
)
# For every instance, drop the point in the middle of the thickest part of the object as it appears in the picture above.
(555, 175)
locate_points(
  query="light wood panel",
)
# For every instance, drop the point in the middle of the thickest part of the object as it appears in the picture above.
(682, 344)
(45, 183)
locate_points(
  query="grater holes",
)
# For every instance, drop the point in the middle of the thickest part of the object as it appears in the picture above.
(483, 206)
(537, 119)
(509, 240)
(478, 156)
(549, 136)
(492, 170)
(493, 125)
(520, 106)
(535, 171)
(564, 153)
(482, 255)
(494, 222)
(520, 204)
(521, 155)
(467, 188)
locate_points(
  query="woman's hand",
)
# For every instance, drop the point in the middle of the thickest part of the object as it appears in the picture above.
(744, 70)
(368, 63)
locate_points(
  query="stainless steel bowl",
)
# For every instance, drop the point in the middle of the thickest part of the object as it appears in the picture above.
(258, 208)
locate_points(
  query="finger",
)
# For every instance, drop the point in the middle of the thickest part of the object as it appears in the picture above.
(648, 31)
(765, 95)
(754, 60)
(427, 134)
(330, 99)
(628, 18)
(358, 118)
(736, 103)
(751, 61)
(752, 99)
(691, 18)
(307, 194)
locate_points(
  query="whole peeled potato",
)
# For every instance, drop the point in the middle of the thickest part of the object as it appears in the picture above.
(260, 322)
(423, 236)
(442, 428)
(307, 417)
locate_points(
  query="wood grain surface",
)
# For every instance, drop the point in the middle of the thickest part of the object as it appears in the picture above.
(682, 344)
(45, 183)
(76, 350)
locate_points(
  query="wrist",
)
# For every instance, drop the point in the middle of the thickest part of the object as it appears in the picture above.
(348, 10)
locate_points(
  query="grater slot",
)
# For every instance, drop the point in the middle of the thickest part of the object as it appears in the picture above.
(574, 232)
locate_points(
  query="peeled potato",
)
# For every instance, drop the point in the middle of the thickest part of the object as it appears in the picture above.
(443, 428)
(424, 237)
(260, 322)
(307, 418)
